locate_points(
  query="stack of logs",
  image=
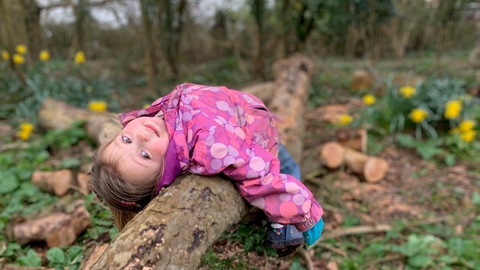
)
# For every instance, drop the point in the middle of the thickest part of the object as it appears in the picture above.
(350, 151)
(58, 227)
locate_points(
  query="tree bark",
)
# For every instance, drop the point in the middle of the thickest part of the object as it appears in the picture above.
(178, 226)
(292, 85)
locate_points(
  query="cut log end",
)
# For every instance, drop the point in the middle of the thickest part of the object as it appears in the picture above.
(355, 139)
(332, 154)
(375, 169)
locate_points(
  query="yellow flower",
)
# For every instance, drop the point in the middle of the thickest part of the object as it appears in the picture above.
(21, 49)
(5, 55)
(79, 58)
(468, 135)
(452, 109)
(97, 106)
(344, 119)
(18, 59)
(25, 130)
(418, 115)
(369, 99)
(407, 91)
(44, 55)
(26, 126)
(466, 125)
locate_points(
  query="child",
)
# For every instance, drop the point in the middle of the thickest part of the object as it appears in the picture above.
(206, 130)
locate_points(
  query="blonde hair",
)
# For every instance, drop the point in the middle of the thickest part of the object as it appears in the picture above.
(124, 199)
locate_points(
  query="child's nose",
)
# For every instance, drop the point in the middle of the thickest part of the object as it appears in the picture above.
(143, 135)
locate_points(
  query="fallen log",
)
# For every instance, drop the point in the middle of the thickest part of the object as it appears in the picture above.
(355, 139)
(373, 169)
(59, 229)
(175, 230)
(56, 114)
(57, 182)
(292, 85)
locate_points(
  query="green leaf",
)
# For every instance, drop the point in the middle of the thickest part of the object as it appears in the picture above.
(73, 254)
(70, 163)
(31, 259)
(296, 266)
(428, 151)
(8, 182)
(420, 260)
(406, 141)
(450, 160)
(447, 259)
(476, 198)
(56, 256)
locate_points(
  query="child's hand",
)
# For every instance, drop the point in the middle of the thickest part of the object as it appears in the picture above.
(311, 236)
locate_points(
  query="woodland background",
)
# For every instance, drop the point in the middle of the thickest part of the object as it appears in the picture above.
(148, 46)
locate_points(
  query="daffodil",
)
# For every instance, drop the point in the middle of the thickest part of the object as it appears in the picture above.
(24, 131)
(18, 59)
(44, 55)
(468, 135)
(369, 99)
(466, 125)
(97, 106)
(418, 115)
(407, 91)
(453, 109)
(344, 119)
(5, 55)
(21, 49)
(79, 58)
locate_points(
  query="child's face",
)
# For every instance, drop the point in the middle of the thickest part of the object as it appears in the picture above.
(140, 148)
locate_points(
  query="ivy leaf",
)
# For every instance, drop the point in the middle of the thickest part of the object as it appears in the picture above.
(406, 141)
(56, 256)
(31, 259)
(476, 198)
(450, 160)
(420, 260)
(8, 182)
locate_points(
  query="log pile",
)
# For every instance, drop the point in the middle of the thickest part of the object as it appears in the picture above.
(370, 168)
(59, 229)
(161, 237)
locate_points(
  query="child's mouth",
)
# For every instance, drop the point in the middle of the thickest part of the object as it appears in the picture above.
(152, 129)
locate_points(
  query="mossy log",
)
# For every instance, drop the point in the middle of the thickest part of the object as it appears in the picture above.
(175, 230)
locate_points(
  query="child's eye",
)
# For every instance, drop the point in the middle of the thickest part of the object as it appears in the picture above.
(145, 155)
(126, 139)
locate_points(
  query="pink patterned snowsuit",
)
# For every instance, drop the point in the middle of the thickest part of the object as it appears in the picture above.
(217, 130)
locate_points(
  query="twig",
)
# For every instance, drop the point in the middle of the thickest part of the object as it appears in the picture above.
(306, 257)
(333, 249)
(375, 229)
(386, 259)
(13, 146)
(356, 230)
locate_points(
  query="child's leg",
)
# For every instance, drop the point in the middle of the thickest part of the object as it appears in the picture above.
(279, 236)
(288, 165)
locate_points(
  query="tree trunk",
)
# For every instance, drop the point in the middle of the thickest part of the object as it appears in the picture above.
(178, 226)
(150, 61)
